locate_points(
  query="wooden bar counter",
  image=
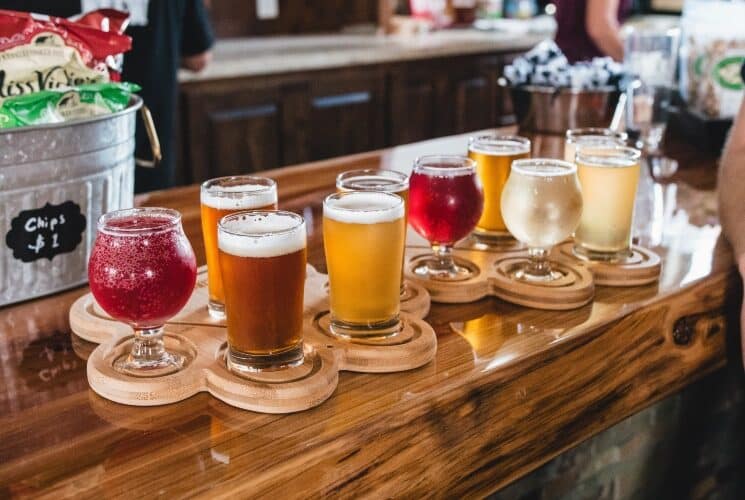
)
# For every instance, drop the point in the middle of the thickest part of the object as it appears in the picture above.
(518, 388)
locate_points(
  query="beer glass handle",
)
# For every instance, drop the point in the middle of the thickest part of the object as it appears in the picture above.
(152, 135)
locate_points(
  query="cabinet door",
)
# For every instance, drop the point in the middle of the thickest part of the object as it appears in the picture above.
(415, 111)
(346, 113)
(233, 131)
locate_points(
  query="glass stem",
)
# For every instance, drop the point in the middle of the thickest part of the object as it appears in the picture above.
(539, 265)
(148, 344)
(444, 256)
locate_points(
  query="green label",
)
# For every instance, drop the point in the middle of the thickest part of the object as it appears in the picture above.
(727, 73)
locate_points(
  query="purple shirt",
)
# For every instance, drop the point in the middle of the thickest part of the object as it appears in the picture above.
(571, 35)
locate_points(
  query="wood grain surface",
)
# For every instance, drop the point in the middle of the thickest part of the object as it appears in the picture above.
(509, 389)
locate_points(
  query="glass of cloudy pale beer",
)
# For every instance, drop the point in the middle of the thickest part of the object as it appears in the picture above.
(224, 196)
(541, 205)
(609, 177)
(389, 181)
(363, 236)
(262, 258)
(493, 155)
(595, 137)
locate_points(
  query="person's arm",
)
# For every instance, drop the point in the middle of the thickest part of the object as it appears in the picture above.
(196, 37)
(731, 188)
(601, 23)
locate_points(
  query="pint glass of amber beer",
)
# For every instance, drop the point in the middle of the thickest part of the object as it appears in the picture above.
(262, 259)
(363, 236)
(493, 155)
(224, 196)
(609, 177)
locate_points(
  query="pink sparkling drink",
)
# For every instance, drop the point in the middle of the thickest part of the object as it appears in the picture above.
(445, 203)
(142, 271)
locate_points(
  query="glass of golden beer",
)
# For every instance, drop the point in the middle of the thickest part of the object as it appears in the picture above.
(262, 259)
(493, 155)
(389, 181)
(597, 137)
(224, 196)
(541, 205)
(363, 236)
(609, 179)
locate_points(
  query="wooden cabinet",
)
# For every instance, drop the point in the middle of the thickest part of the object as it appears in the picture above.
(252, 124)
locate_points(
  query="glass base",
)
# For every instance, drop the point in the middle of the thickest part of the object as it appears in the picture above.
(371, 331)
(618, 257)
(242, 363)
(524, 274)
(495, 241)
(216, 309)
(431, 268)
(165, 364)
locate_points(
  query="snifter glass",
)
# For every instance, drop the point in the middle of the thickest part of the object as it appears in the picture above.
(142, 271)
(445, 203)
(262, 258)
(542, 205)
(591, 136)
(220, 197)
(493, 154)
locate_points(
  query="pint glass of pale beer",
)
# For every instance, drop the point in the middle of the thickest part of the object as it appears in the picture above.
(493, 155)
(363, 236)
(609, 177)
(262, 258)
(224, 196)
(591, 137)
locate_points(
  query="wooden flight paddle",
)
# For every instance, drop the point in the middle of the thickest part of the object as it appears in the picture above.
(642, 267)
(202, 340)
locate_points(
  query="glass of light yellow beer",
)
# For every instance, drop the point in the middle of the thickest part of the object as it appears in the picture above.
(262, 258)
(363, 237)
(224, 196)
(541, 205)
(609, 177)
(493, 155)
(389, 181)
(597, 137)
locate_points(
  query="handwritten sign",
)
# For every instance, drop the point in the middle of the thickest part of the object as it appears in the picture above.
(45, 232)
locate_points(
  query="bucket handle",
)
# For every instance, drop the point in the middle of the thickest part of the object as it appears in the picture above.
(152, 135)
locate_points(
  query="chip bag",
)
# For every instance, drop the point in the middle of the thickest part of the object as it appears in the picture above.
(40, 53)
(61, 105)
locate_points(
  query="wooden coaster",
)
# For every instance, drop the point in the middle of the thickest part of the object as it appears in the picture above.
(201, 339)
(492, 277)
(642, 267)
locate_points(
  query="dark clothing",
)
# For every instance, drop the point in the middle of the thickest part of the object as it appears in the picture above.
(571, 34)
(174, 28)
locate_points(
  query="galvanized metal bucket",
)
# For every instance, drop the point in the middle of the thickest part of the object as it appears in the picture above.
(55, 182)
(554, 111)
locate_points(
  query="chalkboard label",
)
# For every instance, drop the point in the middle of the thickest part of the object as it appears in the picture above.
(45, 232)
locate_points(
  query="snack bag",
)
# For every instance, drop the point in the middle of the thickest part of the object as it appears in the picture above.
(44, 53)
(61, 105)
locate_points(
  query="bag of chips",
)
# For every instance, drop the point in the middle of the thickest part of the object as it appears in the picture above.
(40, 53)
(61, 105)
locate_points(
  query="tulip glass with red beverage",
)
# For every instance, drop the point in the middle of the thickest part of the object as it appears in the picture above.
(142, 271)
(445, 203)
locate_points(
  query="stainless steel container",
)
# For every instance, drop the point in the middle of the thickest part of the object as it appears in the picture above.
(554, 111)
(55, 181)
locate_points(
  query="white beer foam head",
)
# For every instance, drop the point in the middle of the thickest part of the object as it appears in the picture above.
(499, 145)
(261, 234)
(364, 207)
(544, 167)
(241, 197)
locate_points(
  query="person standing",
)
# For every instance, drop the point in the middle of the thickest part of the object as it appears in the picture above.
(590, 28)
(166, 35)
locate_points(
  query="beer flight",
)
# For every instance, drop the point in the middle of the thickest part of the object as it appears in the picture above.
(142, 268)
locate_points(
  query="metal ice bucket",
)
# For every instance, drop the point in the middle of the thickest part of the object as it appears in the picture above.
(55, 182)
(554, 111)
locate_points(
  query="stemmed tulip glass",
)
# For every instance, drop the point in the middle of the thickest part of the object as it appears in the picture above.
(445, 203)
(142, 271)
(541, 206)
